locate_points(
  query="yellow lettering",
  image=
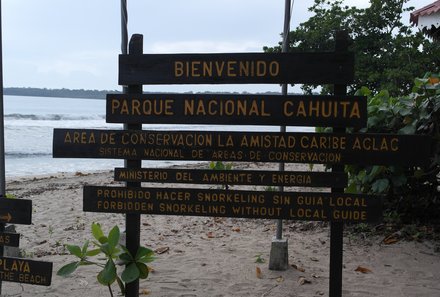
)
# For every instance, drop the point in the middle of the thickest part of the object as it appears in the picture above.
(355, 112)
(178, 69)
(195, 68)
(301, 109)
(231, 68)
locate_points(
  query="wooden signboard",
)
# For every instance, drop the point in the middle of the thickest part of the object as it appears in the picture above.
(314, 206)
(9, 239)
(15, 211)
(232, 177)
(319, 148)
(237, 68)
(25, 271)
(321, 111)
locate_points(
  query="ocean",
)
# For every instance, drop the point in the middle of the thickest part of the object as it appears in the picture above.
(29, 124)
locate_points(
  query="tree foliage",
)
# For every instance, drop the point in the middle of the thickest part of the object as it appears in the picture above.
(388, 54)
(60, 93)
(412, 193)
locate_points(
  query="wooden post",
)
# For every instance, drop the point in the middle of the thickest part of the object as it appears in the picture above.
(337, 228)
(133, 221)
(2, 137)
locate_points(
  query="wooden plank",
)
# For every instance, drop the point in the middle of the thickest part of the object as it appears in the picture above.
(9, 239)
(236, 68)
(237, 204)
(133, 221)
(25, 271)
(15, 211)
(337, 228)
(232, 177)
(321, 111)
(293, 147)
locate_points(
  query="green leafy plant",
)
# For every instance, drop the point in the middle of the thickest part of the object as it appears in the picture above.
(107, 254)
(259, 259)
(219, 165)
(270, 189)
(412, 193)
(50, 230)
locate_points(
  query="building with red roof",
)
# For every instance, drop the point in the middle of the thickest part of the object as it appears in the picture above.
(427, 19)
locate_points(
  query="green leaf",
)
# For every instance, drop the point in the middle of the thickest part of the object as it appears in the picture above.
(124, 248)
(375, 171)
(143, 252)
(351, 189)
(98, 234)
(410, 129)
(74, 250)
(113, 237)
(97, 231)
(126, 258)
(144, 255)
(143, 270)
(84, 248)
(92, 253)
(405, 112)
(108, 275)
(130, 273)
(372, 121)
(105, 248)
(85, 263)
(384, 95)
(380, 185)
(68, 269)
(418, 82)
(363, 91)
(121, 285)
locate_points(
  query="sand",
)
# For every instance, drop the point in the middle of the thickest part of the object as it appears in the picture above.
(204, 256)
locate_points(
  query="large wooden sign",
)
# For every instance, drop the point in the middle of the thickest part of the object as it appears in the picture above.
(25, 271)
(237, 68)
(9, 239)
(15, 211)
(233, 177)
(320, 148)
(314, 206)
(235, 109)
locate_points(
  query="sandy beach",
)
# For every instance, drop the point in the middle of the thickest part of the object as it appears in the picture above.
(203, 256)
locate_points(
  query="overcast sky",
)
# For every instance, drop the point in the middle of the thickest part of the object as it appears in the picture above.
(75, 43)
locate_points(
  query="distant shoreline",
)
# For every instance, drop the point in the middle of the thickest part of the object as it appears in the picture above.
(60, 93)
(81, 93)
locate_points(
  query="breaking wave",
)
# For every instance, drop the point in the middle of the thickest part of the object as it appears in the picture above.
(53, 117)
(27, 155)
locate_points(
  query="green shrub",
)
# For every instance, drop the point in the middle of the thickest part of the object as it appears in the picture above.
(411, 192)
(106, 255)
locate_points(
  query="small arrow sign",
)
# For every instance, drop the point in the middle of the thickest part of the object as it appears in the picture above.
(6, 217)
(15, 211)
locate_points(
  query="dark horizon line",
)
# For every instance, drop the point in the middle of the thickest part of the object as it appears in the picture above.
(91, 94)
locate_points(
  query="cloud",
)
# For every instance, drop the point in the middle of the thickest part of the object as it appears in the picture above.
(358, 3)
(90, 62)
(199, 46)
(65, 68)
(84, 69)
